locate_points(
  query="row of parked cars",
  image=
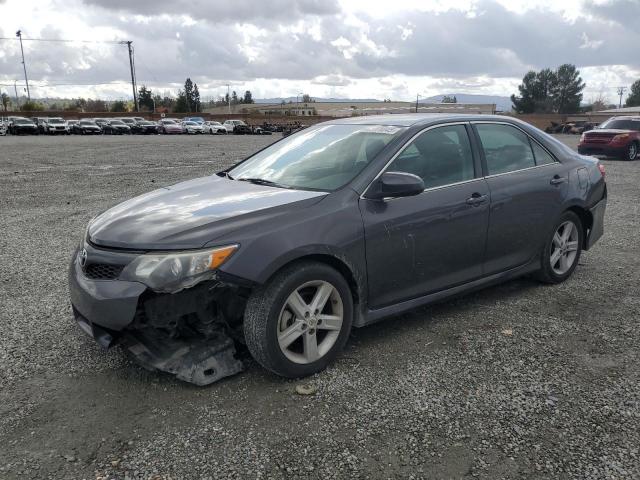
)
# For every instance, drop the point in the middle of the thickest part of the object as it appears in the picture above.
(129, 125)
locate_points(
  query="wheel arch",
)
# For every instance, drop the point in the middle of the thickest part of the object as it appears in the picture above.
(586, 219)
(333, 261)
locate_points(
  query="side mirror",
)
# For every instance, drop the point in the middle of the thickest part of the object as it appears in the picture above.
(395, 184)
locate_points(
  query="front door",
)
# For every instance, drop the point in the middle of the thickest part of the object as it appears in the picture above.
(428, 242)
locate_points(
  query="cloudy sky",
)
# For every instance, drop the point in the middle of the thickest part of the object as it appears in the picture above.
(327, 48)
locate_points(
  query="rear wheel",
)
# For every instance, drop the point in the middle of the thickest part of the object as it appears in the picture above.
(561, 252)
(298, 322)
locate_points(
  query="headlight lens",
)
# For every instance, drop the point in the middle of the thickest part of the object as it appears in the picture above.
(172, 272)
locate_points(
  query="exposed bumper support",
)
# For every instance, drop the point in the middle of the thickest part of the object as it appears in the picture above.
(200, 362)
(597, 228)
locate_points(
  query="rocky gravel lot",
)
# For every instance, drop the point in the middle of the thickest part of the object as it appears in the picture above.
(518, 381)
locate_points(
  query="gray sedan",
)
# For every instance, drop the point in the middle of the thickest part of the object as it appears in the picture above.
(334, 227)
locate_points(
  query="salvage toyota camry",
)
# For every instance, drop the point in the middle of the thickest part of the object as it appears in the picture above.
(334, 227)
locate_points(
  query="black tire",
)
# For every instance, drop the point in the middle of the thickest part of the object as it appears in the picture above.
(546, 273)
(263, 311)
(632, 151)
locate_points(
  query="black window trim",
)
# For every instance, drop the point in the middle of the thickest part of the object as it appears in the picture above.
(477, 167)
(485, 168)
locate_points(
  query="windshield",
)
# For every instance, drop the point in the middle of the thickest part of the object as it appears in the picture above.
(85, 122)
(190, 123)
(24, 121)
(168, 122)
(116, 122)
(319, 158)
(621, 124)
(56, 120)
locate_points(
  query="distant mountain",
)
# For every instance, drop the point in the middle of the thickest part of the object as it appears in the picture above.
(317, 100)
(502, 103)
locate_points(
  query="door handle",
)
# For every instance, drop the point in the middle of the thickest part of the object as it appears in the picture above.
(476, 199)
(557, 180)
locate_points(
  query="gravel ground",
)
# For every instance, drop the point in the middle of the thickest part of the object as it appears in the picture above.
(517, 381)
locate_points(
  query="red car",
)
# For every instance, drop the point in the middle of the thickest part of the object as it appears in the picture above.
(167, 126)
(617, 137)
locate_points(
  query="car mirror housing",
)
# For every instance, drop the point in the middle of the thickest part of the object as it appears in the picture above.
(395, 184)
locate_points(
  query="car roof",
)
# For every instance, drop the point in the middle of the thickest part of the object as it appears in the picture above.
(411, 119)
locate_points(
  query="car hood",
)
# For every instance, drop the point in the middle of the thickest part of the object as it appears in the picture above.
(612, 131)
(192, 213)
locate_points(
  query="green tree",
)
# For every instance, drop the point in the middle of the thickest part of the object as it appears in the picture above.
(6, 101)
(567, 90)
(306, 98)
(118, 106)
(181, 105)
(234, 98)
(449, 99)
(526, 102)
(550, 91)
(95, 106)
(248, 98)
(633, 100)
(31, 106)
(145, 97)
(195, 99)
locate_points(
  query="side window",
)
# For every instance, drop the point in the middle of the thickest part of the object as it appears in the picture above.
(542, 156)
(506, 148)
(439, 156)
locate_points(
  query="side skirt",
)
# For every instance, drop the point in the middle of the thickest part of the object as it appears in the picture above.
(373, 316)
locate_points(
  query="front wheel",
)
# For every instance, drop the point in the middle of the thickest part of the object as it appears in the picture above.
(632, 151)
(561, 252)
(298, 322)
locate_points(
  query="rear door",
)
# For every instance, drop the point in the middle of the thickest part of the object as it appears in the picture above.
(527, 185)
(428, 242)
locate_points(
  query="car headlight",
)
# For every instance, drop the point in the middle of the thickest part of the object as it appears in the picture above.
(172, 272)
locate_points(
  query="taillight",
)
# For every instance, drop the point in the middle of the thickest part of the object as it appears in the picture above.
(602, 170)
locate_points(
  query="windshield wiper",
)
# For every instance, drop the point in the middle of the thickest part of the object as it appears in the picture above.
(262, 181)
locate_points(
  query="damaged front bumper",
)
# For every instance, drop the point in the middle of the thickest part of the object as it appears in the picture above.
(187, 334)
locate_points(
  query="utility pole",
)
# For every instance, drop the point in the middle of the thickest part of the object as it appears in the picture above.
(24, 65)
(133, 74)
(621, 91)
(417, 96)
(15, 89)
(228, 99)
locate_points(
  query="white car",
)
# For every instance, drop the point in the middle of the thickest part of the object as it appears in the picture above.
(230, 126)
(3, 127)
(56, 125)
(214, 127)
(192, 127)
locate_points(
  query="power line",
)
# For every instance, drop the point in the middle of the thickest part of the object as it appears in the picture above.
(64, 40)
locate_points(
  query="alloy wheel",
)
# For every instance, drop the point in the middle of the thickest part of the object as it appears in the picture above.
(564, 248)
(633, 151)
(310, 322)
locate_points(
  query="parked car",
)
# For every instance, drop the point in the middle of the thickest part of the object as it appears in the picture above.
(71, 124)
(130, 122)
(192, 127)
(22, 126)
(168, 126)
(334, 227)
(86, 127)
(260, 130)
(199, 120)
(3, 127)
(57, 125)
(237, 127)
(617, 137)
(145, 127)
(113, 126)
(41, 123)
(214, 128)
